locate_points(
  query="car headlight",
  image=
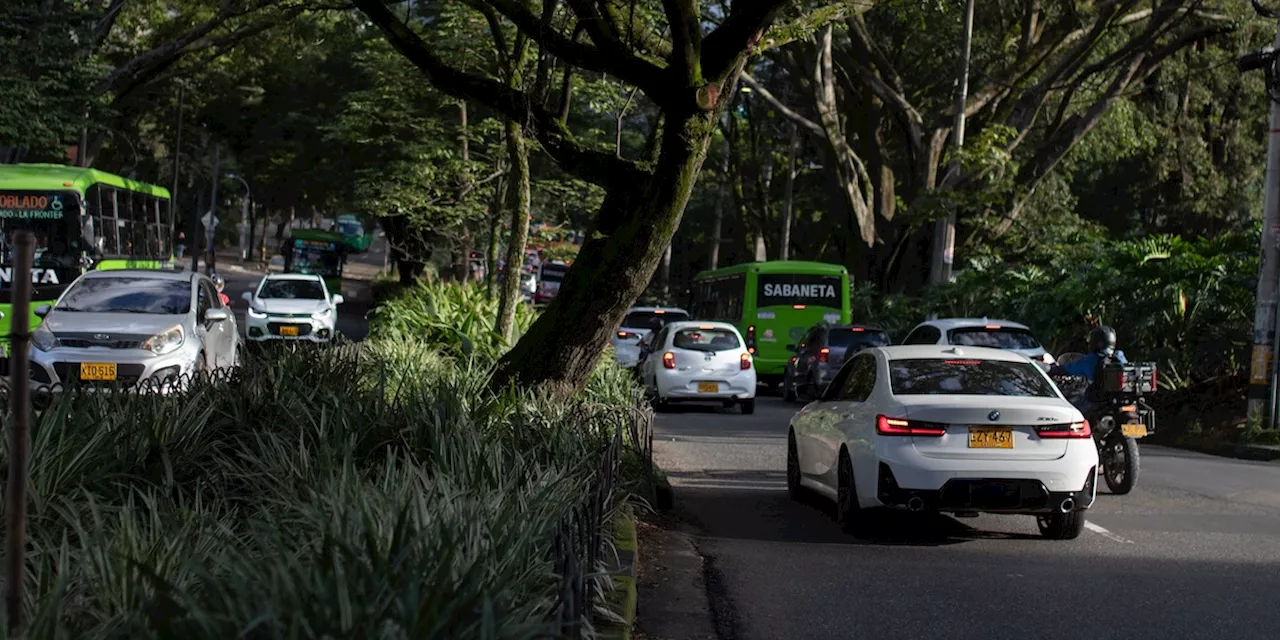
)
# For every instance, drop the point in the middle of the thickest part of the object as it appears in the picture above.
(324, 313)
(166, 341)
(43, 339)
(254, 313)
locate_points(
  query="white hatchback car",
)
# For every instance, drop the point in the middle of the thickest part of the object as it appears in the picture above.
(957, 429)
(639, 323)
(292, 306)
(980, 332)
(700, 361)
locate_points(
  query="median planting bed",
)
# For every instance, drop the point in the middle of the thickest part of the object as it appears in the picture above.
(370, 491)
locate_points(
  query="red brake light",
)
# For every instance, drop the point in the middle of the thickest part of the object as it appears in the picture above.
(962, 362)
(992, 326)
(626, 334)
(745, 361)
(858, 329)
(824, 354)
(1153, 381)
(887, 426)
(751, 350)
(798, 306)
(669, 360)
(1073, 430)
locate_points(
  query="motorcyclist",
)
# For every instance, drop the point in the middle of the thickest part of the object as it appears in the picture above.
(220, 284)
(1102, 347)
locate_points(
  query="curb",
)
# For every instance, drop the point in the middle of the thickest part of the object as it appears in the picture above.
(623, 600)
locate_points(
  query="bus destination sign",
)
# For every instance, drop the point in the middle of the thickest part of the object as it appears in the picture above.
(32, 205)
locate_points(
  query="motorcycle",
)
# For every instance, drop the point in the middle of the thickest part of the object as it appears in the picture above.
(1118, 416)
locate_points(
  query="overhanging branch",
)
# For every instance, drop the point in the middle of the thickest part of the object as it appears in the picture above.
(741, 31)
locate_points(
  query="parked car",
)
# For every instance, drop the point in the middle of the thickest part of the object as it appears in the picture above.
(819, 354)
(639, 323)
(292, 306)
(979, 332)
(964, 430)
(700, 362)
(131, 328)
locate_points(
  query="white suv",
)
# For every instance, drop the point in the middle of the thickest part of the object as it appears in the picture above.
(638, 325)
(292, 306)
(979, 332)
(700, 362)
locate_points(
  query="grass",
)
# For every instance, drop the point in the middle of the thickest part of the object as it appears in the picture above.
(315, 494)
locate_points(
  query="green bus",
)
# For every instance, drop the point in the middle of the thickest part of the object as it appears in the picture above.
(353, 230)
(82, 219)
(317, 252)
(773, 304)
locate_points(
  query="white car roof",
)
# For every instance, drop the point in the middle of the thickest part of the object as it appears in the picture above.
(947, 324)
(652, 309)
(293, 276)
(904, 352)
(701, 324)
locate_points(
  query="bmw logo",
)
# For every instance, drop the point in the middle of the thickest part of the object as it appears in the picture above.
(993, 416)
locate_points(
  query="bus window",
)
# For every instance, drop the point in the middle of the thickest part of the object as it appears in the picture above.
(49, 215)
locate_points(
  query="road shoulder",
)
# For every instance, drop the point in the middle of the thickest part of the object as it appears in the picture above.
(672, 585)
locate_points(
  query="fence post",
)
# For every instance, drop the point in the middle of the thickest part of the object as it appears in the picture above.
(19, 442)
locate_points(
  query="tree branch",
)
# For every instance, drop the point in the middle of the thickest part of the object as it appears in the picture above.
(593, 166)
(795, 116)
(741, 31)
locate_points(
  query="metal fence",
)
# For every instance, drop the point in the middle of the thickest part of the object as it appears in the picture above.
(580, 535)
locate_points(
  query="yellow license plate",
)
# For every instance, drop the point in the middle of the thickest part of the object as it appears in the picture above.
(98, 371)
(990, 438)
(708, 387)
(288, 331)
(1133, 430)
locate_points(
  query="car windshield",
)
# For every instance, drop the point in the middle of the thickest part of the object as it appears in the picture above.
(652, 319)
(709, 339)
(127, 295)
(850, 338)
(292, 290)
(1000, 338)
(932, 376)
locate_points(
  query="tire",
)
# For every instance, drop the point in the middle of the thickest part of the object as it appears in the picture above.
(1121, 478)
(811, 390)
(788, 391)
(747, 406)
(1061, 526)
(848, 511)
(794, 489)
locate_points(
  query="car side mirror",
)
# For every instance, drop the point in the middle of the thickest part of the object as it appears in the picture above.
(338, 299)
(216, 315)
(248, 297)
(42, 310)
(791, 347)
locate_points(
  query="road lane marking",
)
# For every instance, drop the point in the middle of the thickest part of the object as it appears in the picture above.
(1099, 530)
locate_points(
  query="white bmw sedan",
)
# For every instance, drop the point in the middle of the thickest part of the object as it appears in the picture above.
(700, 362)
(964, 430)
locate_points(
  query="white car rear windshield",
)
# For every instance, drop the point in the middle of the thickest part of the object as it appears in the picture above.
(705, 340)
(1001, 338)
(651, 319)
(933, 376)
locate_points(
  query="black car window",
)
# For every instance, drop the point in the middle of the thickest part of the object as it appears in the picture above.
(923, 335)
(651, 319)
(968, 377)
(856, 339)
(127, 294)
(212, 292)
(862, 380)
(837, 383)
(289, 289)
(204, 301)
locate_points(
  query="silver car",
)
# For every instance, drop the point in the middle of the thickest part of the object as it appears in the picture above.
(133, 327)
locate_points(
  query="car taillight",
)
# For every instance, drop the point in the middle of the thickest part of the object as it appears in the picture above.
(751, 339)
(627, 335)
(1153, 381)
(887, 426)
(744, 362)
(669, 360)
(1072, 430)
(824, 355)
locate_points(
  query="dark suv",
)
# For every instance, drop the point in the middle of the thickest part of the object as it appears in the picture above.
(821, 352)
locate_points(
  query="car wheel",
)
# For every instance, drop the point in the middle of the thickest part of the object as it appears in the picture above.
(794, 489)
(788, 391)
(747, 406)
(1061, 526)
(848, 511)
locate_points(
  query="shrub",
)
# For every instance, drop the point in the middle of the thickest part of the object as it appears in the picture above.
(377, 492)
(456, 318)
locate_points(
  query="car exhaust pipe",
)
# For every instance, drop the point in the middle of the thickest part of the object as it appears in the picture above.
(916, 503)
(1067, 505)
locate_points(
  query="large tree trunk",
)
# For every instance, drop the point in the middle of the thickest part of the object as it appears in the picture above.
(623, 246)
(509, 294)
(495, 230)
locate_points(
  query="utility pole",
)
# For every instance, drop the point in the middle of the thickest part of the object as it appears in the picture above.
(1264, 317)
(177, 150)
(944, 237)
(210, 261)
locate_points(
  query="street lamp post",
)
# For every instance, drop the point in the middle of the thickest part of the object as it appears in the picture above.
(244, 216)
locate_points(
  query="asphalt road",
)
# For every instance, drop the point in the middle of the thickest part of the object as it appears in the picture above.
(1193, 552)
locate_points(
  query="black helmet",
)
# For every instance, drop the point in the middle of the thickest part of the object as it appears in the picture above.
(1102, 339)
